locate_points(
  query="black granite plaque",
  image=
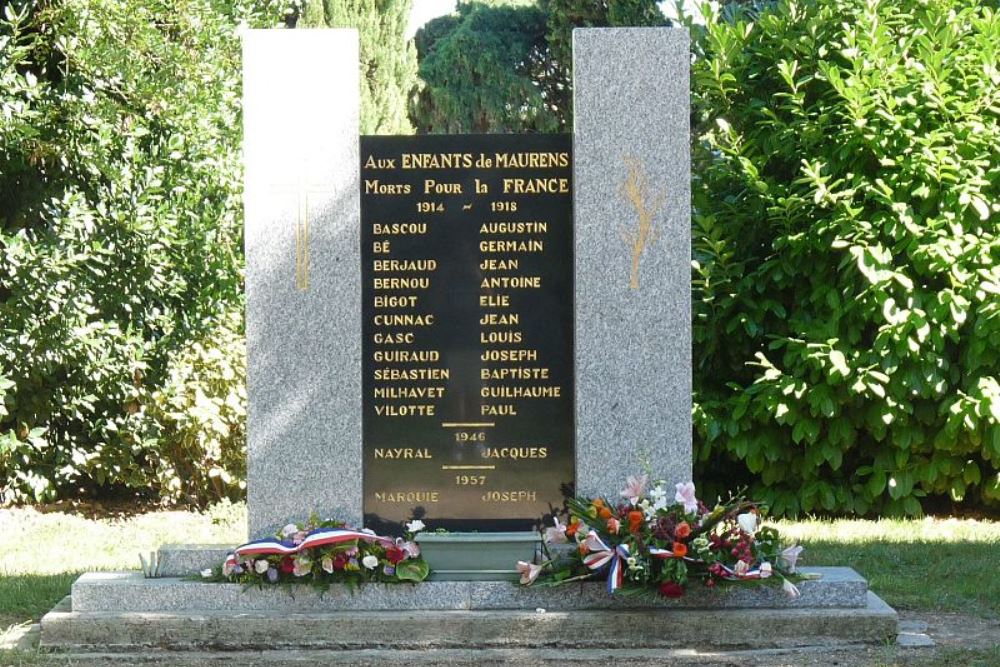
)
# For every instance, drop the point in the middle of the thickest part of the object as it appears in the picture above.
(467, 270)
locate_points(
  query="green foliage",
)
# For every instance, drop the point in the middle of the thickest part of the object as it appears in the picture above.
(198, 417)
(506, 66)
(120, 235)
(388, 61)
(847, 332)
(565, 15)
(481, 70)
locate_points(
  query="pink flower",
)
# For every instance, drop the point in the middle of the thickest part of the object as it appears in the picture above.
(634, 488)
(528, 571)
(412, 549)
(791, 556)
(614, 525)
(556, 534)
(685, 496)
(765, 570)
(593, 542)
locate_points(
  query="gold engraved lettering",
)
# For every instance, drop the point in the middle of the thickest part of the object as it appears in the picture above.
(498, 319)
(511, 246)
(514, 228)
(515, 453)
(405, 410)
(402, 453)
(502, 410)
(514, 496)
(535, 186)
(509, 355)
(406, 496)
(400, 228)
(636, 190)
(375, 187)
(404, 374)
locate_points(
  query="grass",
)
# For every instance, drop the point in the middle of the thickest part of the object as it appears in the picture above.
(927, 564)
(922, 565)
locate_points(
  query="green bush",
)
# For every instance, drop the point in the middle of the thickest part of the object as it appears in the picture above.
(847, 332)
(120, 245)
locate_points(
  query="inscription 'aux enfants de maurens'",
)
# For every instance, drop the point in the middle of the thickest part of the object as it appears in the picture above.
(467, 270)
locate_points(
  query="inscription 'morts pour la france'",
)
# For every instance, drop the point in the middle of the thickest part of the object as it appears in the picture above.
(467, 273)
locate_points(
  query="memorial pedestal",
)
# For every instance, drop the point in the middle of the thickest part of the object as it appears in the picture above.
(453, 622)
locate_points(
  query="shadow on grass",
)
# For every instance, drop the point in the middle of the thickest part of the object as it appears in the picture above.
(955, 577)
(28, 597)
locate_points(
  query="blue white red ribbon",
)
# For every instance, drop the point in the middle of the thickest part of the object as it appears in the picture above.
(320, 537)
(604, 556)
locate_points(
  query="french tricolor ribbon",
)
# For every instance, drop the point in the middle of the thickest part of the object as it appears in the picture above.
(319, 537)
(749, 574)
(602, 556)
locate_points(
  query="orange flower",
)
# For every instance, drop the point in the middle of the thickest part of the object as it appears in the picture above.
(583, 548)
(634, 520)
(598, 502)
(604, 513)
(574, 525)
(682, 530)
(680, 550)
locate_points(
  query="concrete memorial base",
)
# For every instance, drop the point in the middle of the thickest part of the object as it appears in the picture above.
(124, 613)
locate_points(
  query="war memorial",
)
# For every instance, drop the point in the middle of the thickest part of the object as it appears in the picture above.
(460, 330)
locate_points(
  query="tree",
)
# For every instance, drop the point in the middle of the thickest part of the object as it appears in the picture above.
(507, 67)
(847, 305)
(484, 70)
(121, 247)
(388, 61)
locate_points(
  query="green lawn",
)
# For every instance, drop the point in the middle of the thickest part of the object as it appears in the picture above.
(922, 565)
(913, 564)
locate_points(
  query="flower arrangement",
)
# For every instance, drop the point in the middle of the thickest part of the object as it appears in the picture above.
(324, 552)
(655, 542)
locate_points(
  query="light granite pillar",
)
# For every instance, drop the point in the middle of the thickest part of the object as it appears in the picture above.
(633, 255)
(301, 108)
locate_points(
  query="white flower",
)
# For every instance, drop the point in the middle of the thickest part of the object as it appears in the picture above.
(741, 568)
(765, 570)
(227, 568)
(791, 556)
(748, 522)
(206, 573)
(289, 530)
(790, 589)
(327, 565)
(370, 561)
(415, 526)
(303, 566)
(260, 566)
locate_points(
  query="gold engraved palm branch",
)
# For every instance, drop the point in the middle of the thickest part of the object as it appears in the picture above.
(638, 237)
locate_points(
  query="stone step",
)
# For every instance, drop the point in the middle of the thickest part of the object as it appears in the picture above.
(69, 629)
(839, 587)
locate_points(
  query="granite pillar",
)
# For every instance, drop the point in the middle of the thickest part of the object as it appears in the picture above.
(633, 255)
(301, 109)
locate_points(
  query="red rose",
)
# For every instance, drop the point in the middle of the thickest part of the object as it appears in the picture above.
(671, 589)
(339, 561)
(394, 555)
(287, 565)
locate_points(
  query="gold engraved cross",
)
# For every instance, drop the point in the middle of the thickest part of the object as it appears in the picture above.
(303, 192)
